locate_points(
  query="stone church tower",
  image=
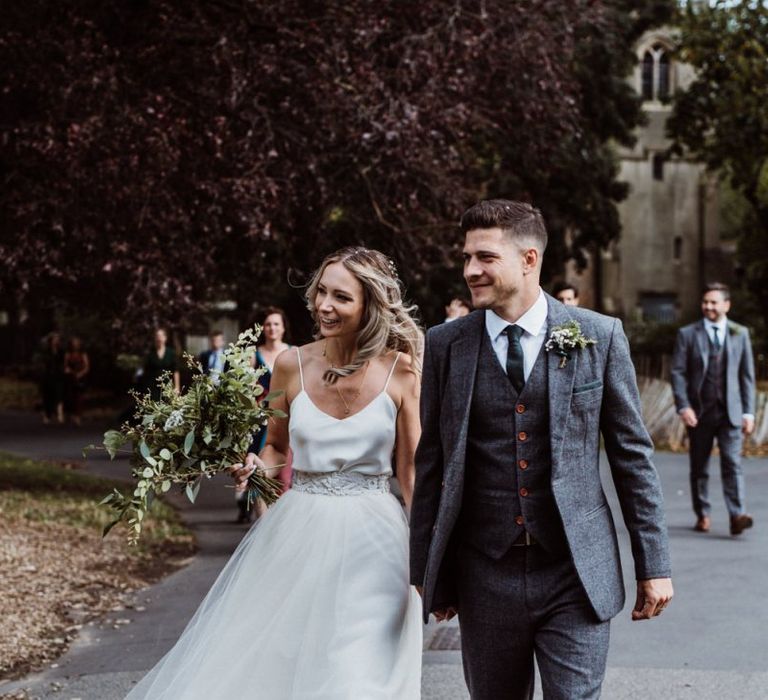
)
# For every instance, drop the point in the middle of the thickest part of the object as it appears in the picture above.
(669, 244)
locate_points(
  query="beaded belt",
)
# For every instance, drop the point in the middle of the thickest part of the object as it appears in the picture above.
(339, 483)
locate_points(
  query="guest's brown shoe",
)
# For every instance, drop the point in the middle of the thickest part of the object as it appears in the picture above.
(702, 524)
(739, 523)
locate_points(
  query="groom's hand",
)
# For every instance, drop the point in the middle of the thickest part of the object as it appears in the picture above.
(653, 595)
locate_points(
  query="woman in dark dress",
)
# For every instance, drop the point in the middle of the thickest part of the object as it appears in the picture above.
(160, 359)
(76, 368)
(52, 379)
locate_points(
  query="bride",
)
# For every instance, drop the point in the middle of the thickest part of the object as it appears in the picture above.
(315, 602)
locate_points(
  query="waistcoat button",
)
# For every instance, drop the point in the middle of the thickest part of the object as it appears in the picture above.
(522, 436)
(523, 464)
(523, 492)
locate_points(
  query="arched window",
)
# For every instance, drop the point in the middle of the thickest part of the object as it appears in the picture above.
(648, 76)
(655, 74)
(662, 86)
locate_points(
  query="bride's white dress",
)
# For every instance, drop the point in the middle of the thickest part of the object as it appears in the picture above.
(315, 603)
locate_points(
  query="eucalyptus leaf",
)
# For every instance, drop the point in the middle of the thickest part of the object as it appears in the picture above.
(166, 454)
(113, 441)
(144, 451)
(189, 440)
(192, 490)
(108, 527)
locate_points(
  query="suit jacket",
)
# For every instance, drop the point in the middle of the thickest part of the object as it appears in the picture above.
(205, 357)
(594, 392)
(689, 367)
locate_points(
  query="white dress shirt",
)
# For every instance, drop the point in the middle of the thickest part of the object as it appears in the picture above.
(533, 322)
(722, 327)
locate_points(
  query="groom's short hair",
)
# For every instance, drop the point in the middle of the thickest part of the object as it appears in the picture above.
(522, 221)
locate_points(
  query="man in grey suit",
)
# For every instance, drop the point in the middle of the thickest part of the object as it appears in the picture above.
(509, 524)
(713, 380)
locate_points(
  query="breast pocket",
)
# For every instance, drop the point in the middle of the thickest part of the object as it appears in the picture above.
(587, 394)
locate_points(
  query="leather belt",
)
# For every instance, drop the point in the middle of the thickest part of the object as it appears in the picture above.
(524, 540)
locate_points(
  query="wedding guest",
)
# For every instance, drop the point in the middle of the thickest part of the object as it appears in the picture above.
(212, 360)
(52, 379)
(76, 368)
(457, 308)
(713, 381)
(566, 293)
(160, 359)
(274, 325)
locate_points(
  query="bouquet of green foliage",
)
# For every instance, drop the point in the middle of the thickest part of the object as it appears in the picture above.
(183, 438)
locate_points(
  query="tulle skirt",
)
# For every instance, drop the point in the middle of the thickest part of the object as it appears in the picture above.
(313, 605)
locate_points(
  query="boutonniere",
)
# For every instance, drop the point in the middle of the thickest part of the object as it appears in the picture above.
(733, 329)
(565, 338)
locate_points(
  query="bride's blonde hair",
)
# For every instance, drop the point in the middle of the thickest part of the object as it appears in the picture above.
(388, 323)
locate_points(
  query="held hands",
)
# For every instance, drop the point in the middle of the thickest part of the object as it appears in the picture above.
(688, 416)
(653, 595)
(441, 614)
(445, 614)
(747, 425)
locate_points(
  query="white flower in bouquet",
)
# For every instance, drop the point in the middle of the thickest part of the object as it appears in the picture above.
(182, 438)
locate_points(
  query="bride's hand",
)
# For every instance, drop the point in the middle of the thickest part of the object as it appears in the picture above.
(241, 472)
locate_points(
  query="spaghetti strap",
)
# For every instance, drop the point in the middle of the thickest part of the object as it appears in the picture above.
(392, 371)
(301, 371)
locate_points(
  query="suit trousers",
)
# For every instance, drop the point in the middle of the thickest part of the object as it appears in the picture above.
(711, 425)
(528, 603)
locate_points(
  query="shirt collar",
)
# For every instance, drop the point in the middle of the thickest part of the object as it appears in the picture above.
(532, 321)
(720, 325)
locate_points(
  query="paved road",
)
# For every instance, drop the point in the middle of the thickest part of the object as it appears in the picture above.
(712, 643)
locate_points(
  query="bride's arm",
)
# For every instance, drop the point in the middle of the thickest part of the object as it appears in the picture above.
(408, 428)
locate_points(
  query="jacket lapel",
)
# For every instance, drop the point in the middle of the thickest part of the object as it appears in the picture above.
(731, 351)
(559, 382)
(464, 354)
(703, 342)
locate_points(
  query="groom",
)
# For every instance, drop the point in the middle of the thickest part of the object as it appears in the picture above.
(509, 525)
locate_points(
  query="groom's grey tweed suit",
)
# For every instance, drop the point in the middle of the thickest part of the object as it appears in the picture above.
(472, 498)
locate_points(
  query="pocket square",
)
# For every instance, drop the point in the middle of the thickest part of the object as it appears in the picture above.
(586, 387)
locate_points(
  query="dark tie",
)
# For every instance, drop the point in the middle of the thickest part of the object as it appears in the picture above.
(515, 359)
(716, 341)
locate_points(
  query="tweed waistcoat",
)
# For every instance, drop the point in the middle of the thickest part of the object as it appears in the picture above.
(508, 460)
(713, 386)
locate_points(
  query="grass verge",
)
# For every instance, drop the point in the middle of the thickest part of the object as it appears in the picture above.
(56, 571)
